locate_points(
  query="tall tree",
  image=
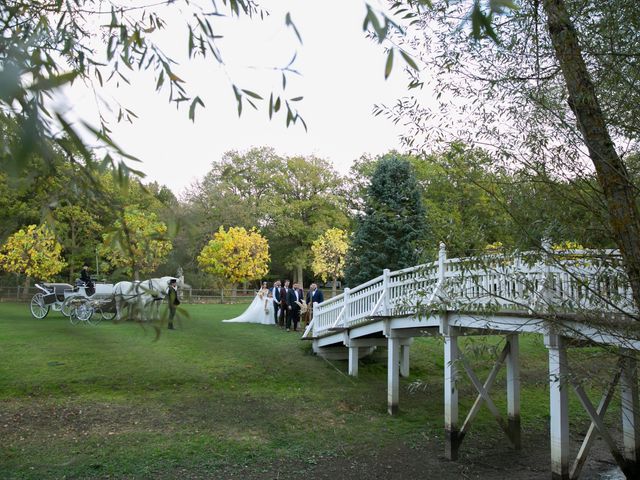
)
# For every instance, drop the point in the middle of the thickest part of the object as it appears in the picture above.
(138, 245)
(552, 85)
(77, 230)
(307, 201)
(329, 254)
(390, 232)
(291, 199)
(32, 252)
(236, 255)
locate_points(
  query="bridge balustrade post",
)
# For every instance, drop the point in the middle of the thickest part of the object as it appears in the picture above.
(442, 260)
(559, 406)
(547, 288)
(386, 291)
(346, 317)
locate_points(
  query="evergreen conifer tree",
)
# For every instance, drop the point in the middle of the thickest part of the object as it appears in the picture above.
(393, 225)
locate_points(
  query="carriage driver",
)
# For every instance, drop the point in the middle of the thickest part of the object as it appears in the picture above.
(86, 279)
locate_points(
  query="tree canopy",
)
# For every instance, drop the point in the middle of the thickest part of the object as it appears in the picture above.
(390, 233)
(32, 252)
(236, 255)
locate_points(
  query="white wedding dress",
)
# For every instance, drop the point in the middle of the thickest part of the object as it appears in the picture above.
(256, 311)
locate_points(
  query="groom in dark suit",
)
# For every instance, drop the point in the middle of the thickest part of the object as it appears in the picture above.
(284, 317)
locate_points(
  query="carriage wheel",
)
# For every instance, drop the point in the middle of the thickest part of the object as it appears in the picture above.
(96, 315)
(107, 315)
(38, 308)
(83, 311)
(67, 305)
(73, 315)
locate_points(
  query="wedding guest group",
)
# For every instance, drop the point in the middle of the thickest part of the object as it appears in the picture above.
(283, 304)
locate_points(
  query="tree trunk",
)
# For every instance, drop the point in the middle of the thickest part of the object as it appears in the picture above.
(300, 280)
(27, 284)
(334, 288)
(72, 263)
(610, 170)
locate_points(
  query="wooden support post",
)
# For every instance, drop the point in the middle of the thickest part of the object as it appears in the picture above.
(353, 360)
(513, 390)
(404, 359)
(630, 417)
(393, 375)
(559, 406)
(451, 354)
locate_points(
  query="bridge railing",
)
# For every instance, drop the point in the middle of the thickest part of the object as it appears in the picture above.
(578, 281)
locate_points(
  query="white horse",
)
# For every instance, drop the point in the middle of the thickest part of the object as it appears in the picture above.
(126, 294)
(141, 297)
(155, 292)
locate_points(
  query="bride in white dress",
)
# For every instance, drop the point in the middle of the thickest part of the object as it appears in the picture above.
(259, 311)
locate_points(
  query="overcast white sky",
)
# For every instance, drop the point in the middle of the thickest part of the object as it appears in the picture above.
(342, 78)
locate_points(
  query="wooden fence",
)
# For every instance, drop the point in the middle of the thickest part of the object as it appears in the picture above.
(188, 295)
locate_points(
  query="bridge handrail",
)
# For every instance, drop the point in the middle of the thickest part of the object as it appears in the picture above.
(531, 281)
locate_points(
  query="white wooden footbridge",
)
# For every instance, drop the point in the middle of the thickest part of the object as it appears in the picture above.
(572, 298)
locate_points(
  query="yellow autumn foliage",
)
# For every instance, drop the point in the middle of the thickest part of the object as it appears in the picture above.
(237, 255)
(33, 252)
(138, 243)
(329, 253)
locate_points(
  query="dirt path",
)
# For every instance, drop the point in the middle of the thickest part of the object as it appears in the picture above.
(492, 459)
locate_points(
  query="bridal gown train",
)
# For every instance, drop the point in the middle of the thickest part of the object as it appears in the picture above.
(255, 312)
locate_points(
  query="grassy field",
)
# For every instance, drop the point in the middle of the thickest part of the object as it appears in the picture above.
(210, 400)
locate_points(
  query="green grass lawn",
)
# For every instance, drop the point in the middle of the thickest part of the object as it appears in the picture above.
(113, 400)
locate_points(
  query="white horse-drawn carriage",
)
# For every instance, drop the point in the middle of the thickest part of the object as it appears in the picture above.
(103, 300)
(79, 303)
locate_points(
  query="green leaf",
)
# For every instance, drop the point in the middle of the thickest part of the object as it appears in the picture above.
(53, 82)
(160, 80)
(191, 44)
(296, 99)
(389, 66)
(409, 60)
(500, 6)
(238, 95)
(192, 109)
(252, 94)
(290, 23)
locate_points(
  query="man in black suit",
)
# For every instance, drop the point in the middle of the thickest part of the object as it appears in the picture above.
(275, 290)
(285, 317)
(294, 296)
(314, 295)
